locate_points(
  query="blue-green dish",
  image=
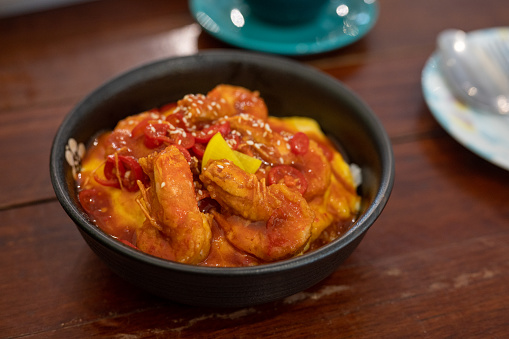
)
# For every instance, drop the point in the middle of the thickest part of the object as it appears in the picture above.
(340, 23)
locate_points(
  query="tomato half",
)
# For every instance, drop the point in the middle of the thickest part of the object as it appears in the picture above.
(299, 143)
(206, 134)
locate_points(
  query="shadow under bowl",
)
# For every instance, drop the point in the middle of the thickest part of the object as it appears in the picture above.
(289, 88)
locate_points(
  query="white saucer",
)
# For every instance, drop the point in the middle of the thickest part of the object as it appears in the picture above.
(484, 134)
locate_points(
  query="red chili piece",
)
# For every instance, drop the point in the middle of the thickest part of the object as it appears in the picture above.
(288, 175)
(123, 167)
(299, 143)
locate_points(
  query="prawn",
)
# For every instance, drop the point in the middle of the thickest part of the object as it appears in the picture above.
(270, 222)
(175, 228)
(221, 102)
(257, 139)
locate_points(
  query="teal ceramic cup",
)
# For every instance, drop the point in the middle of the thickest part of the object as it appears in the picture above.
(286, 12)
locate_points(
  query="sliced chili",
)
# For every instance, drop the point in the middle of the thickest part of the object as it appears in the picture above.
(122, 171)
(132, 173)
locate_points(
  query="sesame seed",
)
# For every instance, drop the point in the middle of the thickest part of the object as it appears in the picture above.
(220, 166)
(163, 184)
(278, 142)
(250, 142)
(281, 160)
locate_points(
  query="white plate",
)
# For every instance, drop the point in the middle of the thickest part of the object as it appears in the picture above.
(484, 134)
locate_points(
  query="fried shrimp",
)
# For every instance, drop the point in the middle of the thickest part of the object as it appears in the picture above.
(174, 228)
(269, 222)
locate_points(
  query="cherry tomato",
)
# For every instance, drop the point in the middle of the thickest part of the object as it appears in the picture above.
(177, 120)
(168, 107)
(299, 143)
(198, 149)
(184, 152)
(233, 140)
(156, 134)
(140, 127)
(183, 139)
(288, 175)
(206, 134)
(93, 200)
(327, 151)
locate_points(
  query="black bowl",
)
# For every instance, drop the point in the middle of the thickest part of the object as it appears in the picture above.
(289, 88)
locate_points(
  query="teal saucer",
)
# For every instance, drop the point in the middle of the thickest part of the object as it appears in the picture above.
(340, 23)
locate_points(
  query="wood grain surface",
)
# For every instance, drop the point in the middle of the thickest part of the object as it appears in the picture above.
(434, 265)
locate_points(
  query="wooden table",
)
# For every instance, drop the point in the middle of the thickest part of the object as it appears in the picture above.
(435, 264)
